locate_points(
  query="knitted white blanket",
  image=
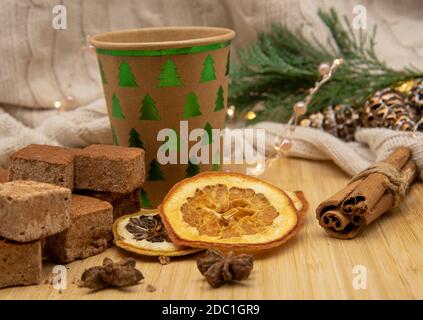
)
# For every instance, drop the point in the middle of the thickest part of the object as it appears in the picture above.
(372, 145)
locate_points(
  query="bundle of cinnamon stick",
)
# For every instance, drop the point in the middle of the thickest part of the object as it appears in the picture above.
(368, 196)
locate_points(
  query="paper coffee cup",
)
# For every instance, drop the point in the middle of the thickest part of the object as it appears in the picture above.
(154, 78)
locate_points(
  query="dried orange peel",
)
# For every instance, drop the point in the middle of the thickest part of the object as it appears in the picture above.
(299, 201)
(137, 242)
(230, 211)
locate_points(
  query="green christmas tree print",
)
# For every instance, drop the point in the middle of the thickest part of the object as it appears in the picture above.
(145, 202)
(134, 139)
(228, 64)
(126, 77)
(169, 76)
(208, 73)
(114, 137)
(220, 101)
(216, 166)
(102, 74)
(207, 138)
(117, 108)
(154, 172)
(148, 109)
(192, 169)
(192, 108)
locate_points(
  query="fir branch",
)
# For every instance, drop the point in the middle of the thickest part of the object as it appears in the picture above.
(281, 65)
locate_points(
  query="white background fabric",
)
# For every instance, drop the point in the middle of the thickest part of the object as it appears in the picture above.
(39, 65)
(353, 157)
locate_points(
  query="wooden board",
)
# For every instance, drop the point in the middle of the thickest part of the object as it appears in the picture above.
(310, 266)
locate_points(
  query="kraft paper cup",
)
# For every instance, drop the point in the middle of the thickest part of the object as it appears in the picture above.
(155, 77)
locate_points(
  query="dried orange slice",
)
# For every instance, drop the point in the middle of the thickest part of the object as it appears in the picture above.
(299, 201)
(229, 211)
(144, 233)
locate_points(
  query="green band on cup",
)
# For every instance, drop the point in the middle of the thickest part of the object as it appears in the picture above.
(163, 52)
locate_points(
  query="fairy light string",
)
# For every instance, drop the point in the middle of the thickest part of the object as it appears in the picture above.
(69, 100)
(283, 141)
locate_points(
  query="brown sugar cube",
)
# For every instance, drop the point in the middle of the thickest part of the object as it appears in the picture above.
(123, 203)
(20, 263)
(90, 232)
(3, 175)
(43, 163)
(109, 168)
(32, 210)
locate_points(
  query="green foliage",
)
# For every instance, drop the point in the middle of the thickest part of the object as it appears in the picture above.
(148, 109)
(208, 138)
(126, 77)
(208, 73)
(220, 101)
(169, 76)
(281, 66)
(154, 171)
(192, 169)
(134, 139)
(145, 202)
(117, 108)
(192, 108)
(114, 137)
(228, 63)
(102, 74)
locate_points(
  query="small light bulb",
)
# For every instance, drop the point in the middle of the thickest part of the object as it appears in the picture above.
(338, 61)
(70, 100)
(91, 49)
(57, 104)
(257, 170)
(231, 111)
(286, 144)
(323, 68)
(251, 115)
(300, 108)
(278, 140)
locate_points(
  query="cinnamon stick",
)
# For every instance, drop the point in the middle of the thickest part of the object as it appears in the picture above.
(368, 193)
(386, 202)
(363, 201)
(335, 219)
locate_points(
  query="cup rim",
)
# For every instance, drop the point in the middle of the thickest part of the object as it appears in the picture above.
(100, 40)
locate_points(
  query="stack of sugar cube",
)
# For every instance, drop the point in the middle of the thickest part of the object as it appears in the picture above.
(64, 200)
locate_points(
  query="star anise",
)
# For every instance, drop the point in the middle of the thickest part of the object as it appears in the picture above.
(218, 268)
(112, 274)
(148, 228)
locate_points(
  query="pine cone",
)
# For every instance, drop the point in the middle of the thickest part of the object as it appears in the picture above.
(416, 99)
(387, 108)
(341, 121)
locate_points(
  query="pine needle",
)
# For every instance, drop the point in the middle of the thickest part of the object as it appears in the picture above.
(281, 66)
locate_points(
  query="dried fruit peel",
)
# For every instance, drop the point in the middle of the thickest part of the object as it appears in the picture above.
(285, 225)
(144, 247)
(300, 202)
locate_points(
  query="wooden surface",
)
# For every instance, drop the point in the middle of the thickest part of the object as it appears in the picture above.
(310, 266)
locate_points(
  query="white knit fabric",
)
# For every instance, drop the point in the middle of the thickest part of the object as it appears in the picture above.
(353, 157)
(39, 65)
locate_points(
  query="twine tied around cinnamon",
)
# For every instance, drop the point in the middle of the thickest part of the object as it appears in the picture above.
(369, 195)
(397, 182)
